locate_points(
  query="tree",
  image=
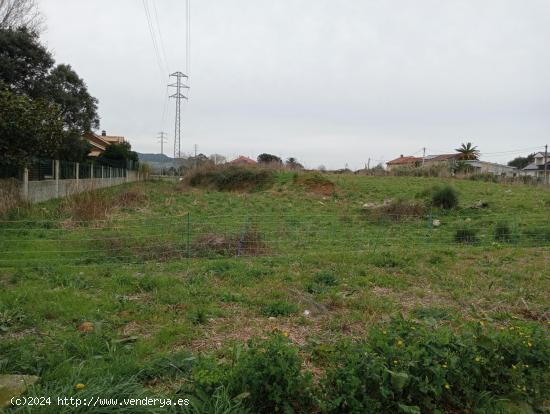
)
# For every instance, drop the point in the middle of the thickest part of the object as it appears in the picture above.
(468, 152)
(27, 69)
(78, 107)
(15, 14)
(24, 62)
(119, 154)
(293, 164)
(522, 162)
(28, 128)
(269, 159)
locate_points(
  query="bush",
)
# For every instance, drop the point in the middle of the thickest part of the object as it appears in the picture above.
(466, 235)
(231, 178)
(445, 197)
(269, 372)
(409, 367)
(503, 233)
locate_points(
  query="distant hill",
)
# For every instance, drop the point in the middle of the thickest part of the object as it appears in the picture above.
(160, 158)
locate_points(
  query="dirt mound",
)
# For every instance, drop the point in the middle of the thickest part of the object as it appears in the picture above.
(315, 183)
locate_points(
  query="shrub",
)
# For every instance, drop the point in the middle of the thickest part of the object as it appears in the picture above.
(410, 367)
(269, 372)
(466, 235)
(231, 178)
(445, 197)
(503, 233)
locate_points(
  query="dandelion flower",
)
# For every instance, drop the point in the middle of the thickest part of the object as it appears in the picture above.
(285, 333)
(447, 387)
(80, 386)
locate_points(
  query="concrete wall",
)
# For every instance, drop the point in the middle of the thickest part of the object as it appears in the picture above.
(38, 191)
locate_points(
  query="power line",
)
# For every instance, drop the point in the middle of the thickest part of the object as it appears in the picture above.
(161, 39)
(153, 39)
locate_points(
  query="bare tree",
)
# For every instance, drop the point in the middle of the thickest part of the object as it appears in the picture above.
(20, 13)
(218, 159)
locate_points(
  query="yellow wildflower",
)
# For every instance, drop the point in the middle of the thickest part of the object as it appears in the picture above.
(447, 387)
(478, 359)
(80, 386)
(285, 333)
(399, 343)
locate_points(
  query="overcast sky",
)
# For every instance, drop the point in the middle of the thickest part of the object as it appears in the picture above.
(328, 82)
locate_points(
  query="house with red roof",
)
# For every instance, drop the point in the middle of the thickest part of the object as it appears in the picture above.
(242, 160)
(403, 162)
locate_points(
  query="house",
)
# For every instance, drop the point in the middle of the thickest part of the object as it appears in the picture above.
(100, 142)
(242, 160)
(484, 167)
(403, 162)
(536, 168)
(448, 160)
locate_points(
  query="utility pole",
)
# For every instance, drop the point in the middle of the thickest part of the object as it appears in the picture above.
(368, 164)
(178, 96)
(423, 155)
(195, 155)
(546, 164)
(162, 140)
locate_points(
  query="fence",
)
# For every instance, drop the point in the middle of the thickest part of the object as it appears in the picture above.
(46, 179)
(157, 239)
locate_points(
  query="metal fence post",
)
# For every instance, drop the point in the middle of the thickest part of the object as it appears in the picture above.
(243, 232)
(77, 174)
(26, 183)
(188, 235)
(56, 174)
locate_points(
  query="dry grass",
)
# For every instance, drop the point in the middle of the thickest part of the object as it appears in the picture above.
(395, 210)
(249, 243)
(133, 197)
(10, 195)
(230, 178)
(315, 183)
(87, 206)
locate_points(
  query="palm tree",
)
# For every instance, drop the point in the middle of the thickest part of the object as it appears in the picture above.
(468, 152)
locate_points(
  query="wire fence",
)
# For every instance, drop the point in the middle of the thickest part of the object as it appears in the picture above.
(160, 239)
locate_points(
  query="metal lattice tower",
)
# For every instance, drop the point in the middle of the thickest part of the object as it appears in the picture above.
(178, 96)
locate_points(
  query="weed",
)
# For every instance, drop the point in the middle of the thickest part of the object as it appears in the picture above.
(503, 233)
(445, 197)
(466, 235)
(279, 308)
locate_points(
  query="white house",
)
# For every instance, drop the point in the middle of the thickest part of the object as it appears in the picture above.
(536, 168)
(480, 167)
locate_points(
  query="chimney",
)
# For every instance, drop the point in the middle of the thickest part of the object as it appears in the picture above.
(103, 133)
(401, 154)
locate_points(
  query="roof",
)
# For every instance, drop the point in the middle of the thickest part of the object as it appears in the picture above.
(494, 164)
(534, 167)
(404, 160)
(113, 138)
(444, 157)
(243, 160)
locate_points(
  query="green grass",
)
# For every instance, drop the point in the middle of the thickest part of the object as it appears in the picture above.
(157, 306)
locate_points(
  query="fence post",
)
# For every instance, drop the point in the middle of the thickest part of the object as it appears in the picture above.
(92, 174)
(188, 235)
(77, 175)
(56, 174)
(26, 183)
(243, 233)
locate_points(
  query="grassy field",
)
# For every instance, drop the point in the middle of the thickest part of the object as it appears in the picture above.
(159, 289)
